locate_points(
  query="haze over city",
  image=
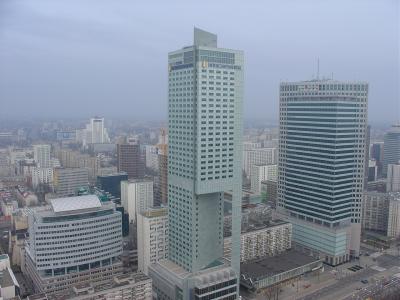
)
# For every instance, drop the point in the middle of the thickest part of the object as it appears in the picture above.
(83, 58)
(182, 150)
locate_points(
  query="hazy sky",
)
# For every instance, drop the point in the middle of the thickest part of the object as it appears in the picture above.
(77, 58)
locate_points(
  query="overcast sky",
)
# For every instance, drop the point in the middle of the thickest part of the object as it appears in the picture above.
(77, 58)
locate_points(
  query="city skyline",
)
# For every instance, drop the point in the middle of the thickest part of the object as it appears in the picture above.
(53, 48)
(200, 150)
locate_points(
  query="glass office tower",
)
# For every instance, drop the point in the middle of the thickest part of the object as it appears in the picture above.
(204, 160)
(321, 164)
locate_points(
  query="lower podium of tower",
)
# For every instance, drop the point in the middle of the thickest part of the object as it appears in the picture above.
(171, 282)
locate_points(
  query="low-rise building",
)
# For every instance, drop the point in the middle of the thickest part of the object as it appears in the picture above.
(267, 272)
(9, 286)
(128, 286)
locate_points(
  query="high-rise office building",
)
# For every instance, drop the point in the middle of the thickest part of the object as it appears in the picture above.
(321, 164)
(74, 240)
(391, 148)
(152, 237)
(130, 158)
(204, 160)
(41, 155)
(136, 196)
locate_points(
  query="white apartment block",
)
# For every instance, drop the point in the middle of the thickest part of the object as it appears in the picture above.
(41, 175)
(151, 157)
(393, 178)
(251, 145)
(381, 213)
(152, 235)
(260, 156)
(136, 196)
(261, 173)
(41, 155)
(393, 228)
(261, 240)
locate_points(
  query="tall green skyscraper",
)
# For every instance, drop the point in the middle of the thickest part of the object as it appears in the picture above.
(204, 160)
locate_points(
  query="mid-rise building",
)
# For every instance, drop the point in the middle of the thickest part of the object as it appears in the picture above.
(381, 213)
(251, 146)
(136, 196)
(204, 160)
(259, 156)
(269, 192)
(41, 155)
(42, 176)
(372, 172)
(74, 159)
(129, 159)
(151, 152)
(259, 240)
(67, 181)
(74, 240)
(321, 165)
(391, 148)
(376, 153)
(152, 237)
(393, 178)
(261, 173)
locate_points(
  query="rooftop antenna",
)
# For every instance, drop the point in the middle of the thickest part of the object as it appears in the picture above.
(318, 68)
(332, 76)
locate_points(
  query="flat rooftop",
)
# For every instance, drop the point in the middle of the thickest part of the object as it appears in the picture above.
(254, 226)
(270, 266)
(75, 203)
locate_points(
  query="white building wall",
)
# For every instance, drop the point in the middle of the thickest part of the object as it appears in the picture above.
(152, 234)
(41, 175)
(393, 229)
(136, 196)
(151, 157)
(261, 156)
(41, 155)
(267, 241)
(393, 178)
(260, 173)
